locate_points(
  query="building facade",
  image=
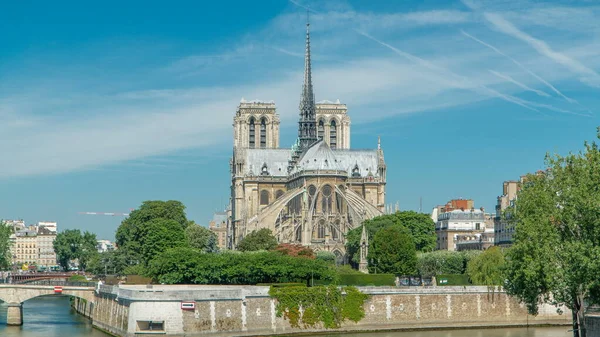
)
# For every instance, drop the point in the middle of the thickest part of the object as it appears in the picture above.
(452, 225)
(503, 230)
(219, 225)
(105, 246)
(313, 193)
(34, 245)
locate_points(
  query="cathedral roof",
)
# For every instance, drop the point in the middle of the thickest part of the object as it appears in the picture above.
(320, 157)
(276, 160)
(365, 160)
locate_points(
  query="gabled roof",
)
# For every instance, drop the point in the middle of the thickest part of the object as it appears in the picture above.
(320, 157)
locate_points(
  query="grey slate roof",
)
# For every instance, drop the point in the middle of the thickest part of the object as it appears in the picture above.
(317, 157)
(276, 159)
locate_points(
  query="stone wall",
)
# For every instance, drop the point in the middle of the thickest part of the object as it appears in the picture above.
(248, 310)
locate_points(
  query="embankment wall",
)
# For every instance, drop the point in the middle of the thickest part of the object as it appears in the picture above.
(248, 310)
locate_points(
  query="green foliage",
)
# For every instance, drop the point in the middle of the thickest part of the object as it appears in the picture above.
(111, 262)
(71, 245)
(261, 239)
(555, 257)
(444, 262)
(159, 235)
(201, 238)
(367, 279)
(324, 305)
(190, 266)
(393, 251)
(487, 268)
(5, 256)
(77, 278)
(131, 233)
(326, 256)
(453, 280)
(420, 226)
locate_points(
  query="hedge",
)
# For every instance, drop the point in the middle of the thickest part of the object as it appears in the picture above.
(282, 285)
(452, 280)
(367, 280)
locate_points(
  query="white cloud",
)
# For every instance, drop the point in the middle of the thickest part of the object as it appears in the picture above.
(90, 129)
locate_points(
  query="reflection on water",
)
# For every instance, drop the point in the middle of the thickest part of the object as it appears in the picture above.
(49, 316)
(52, 316)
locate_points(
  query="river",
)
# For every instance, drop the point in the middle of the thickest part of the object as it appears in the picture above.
(53, 317)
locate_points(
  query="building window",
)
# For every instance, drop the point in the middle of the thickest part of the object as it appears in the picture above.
(326, 199)
(319, 232)
(252, 141)
(157, 326)
(263, 133)
(333, 135)
(478, 226)
(264, 197)
(278, 194)
(321, 130)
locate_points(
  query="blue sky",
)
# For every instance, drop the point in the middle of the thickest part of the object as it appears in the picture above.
(104, 106)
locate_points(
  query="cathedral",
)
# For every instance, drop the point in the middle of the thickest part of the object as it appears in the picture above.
(313, 193)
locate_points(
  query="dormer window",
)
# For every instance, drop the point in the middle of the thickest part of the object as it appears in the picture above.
(355, 171)
(264, 171)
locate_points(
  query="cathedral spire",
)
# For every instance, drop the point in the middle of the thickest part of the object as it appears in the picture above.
(307, 124)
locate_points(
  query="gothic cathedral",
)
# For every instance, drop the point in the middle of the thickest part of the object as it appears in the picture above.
(315, 192)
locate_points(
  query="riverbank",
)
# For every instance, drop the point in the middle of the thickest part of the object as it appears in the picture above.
(192, 310)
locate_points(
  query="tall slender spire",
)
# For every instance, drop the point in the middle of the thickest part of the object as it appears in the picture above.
(307, 124)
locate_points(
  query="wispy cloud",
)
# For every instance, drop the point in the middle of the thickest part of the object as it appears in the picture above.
(520, 65)
(519, 84)
(590, 76)
(463, 82)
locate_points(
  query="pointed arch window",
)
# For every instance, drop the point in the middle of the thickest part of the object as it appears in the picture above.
(333, 135)
(320, 230)
(321, 130)
(263, 133)
(264, 197)
(252, 134)
(326, 199)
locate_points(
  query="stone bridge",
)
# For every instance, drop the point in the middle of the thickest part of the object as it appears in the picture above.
(15, 294)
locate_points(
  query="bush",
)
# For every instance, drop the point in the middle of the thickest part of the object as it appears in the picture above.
(367, 280)
(77, 278)
(444, 262)
(328, 257)
(453, 280)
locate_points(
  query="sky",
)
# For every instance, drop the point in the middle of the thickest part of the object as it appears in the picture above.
(103, 106)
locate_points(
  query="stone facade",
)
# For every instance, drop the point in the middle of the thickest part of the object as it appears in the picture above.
(315, 192)
(248, 310)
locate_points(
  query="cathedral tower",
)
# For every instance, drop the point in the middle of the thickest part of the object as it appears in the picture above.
(307, 124)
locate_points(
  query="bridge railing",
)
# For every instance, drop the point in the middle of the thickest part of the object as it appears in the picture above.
(51, 283)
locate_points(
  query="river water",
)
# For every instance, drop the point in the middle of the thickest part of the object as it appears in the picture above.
(52, 317)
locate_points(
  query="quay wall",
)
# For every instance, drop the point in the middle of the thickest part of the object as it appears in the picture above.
(249, 311)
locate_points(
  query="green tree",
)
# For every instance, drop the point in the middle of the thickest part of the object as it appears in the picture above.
(420, 226)
(71, 245)
(5, 256)
(201, 238)
(555, 257)
(191, 266)
(393, 251)
(487, 268)
(130, 232)
(158, 235)
(111, 262)
(261, 239)
(444, 262)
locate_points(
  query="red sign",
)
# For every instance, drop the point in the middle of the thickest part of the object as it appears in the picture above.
(58, 290)
(188, 305)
